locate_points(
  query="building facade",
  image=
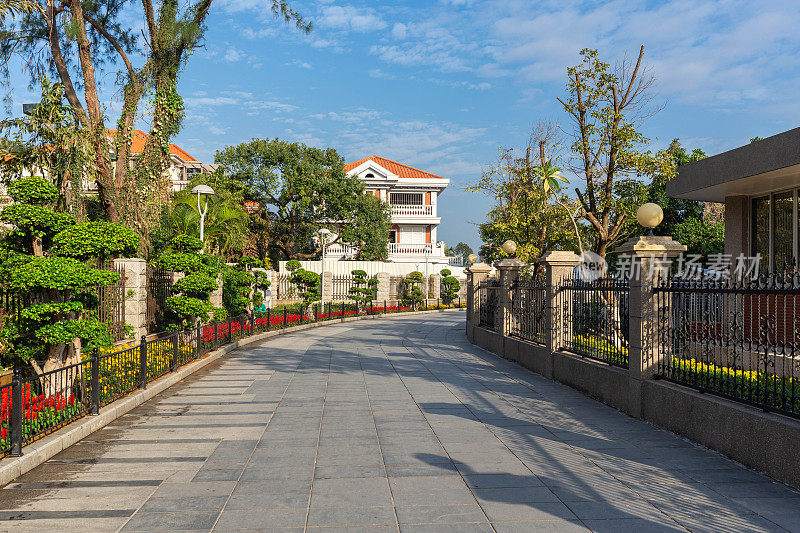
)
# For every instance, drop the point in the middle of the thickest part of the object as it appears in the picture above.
(413, 196)
(759, 183)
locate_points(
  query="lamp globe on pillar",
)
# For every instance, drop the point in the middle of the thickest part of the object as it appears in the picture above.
(472, 259)
(649, 216)
(202, 190)
(509, 247)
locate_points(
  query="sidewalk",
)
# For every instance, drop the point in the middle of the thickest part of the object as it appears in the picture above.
(397, 424)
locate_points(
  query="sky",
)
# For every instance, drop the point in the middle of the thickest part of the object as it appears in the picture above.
(443, 84)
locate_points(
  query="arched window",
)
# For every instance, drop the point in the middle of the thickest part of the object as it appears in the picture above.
(370, 175)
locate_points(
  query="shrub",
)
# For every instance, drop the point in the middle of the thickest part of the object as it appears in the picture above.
(104, 240)
(364, 289)
(412, 290)
(450, 286)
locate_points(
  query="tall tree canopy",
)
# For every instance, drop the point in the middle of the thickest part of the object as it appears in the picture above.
(299, 190)
(73, 40)
(607, 107)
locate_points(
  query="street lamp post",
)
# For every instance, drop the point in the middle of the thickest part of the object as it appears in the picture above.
(203, 190)
(323, 235)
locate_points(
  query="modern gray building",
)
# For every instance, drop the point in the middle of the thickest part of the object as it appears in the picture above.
(759, 184)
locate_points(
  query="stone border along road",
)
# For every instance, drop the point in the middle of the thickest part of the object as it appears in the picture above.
(386, 425)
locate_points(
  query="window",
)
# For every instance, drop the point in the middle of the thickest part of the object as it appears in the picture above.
(774, 230)
(405, 198)
(369, 175)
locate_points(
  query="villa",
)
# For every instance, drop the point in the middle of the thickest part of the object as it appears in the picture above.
(413, 197)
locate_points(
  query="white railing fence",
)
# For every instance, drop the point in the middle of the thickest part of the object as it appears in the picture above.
(411, 249)
(412, 210)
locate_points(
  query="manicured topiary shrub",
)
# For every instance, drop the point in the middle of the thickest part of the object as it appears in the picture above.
(450, 286)
(96, 239)
(412, 290)
(307, 283)
(53, 329)
(237, 290)
(190, 299)
(364, 290)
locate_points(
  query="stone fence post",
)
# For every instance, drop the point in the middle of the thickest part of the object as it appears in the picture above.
(509, 271)
(650, 256)
(327, 286)
(435, 284)
(383, 288)
(476, 274)
(558, 266)
(135, 272)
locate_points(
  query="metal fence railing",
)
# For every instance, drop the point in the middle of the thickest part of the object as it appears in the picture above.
(529, 310)
(595, 318)
(736, 338)
(489, 297)
(37, 404)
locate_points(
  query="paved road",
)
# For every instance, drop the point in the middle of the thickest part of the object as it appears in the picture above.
(387, 425)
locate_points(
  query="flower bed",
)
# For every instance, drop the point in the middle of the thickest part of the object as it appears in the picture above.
(39, 413)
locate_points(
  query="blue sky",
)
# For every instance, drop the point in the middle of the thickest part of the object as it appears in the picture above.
(440, 85)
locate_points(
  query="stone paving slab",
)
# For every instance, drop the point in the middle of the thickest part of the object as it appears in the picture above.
(393, 425)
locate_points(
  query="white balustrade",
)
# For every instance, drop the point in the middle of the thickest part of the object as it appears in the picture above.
(410, 249)
(412, 210)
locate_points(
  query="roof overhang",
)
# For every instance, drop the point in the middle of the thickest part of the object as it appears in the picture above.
(757, 168)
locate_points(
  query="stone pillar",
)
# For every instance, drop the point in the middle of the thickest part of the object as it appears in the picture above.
(508, 273)
(435, 284)
(476, 274)
(216, 294)
(653, 255)
(135, 272)
(383, 288)
(327, 286)
(737, 225)
(558, 265)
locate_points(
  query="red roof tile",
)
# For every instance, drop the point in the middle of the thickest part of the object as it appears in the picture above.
(139, 138)
(403, 171)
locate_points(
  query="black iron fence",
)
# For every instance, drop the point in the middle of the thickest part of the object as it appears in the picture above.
(111, 304)
(595, 318)
(34, 405)
(529, 310)
(735, 338)
(158, 288)
(489, 300)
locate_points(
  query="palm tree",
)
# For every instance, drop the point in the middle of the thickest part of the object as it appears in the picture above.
(225, 225)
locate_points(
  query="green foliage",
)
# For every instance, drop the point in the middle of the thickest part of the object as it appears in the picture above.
(195, 284)
(237, 290)
(699, 237)
(186, 244)
(308, 283)
(104, 240)
(59, 274)
(179, 262)
(450, 286)
(412, 290)
(292, 265)
(298, 189)
(684, 220)
(184, 310)
(463, 249)
(33, 190)
(35, 221)
(248, 262)
(364, 289)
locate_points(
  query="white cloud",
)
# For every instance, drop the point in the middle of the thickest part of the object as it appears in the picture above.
(351, 18)
(399, 31)
(233, 55)
(379, 74)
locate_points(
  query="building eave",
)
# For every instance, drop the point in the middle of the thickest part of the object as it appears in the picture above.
(759, 167)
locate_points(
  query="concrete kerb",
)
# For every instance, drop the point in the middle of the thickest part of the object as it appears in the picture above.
(40, 451)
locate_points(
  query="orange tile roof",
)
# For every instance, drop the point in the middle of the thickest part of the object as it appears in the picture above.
(139, 138)
(404, 171)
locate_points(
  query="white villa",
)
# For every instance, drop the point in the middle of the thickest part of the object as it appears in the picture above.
(413, 196)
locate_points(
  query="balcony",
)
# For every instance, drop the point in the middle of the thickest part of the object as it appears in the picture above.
(412, 210)
(410, 249)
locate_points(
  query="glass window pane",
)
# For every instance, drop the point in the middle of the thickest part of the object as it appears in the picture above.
(760, 231)
(783, 245)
